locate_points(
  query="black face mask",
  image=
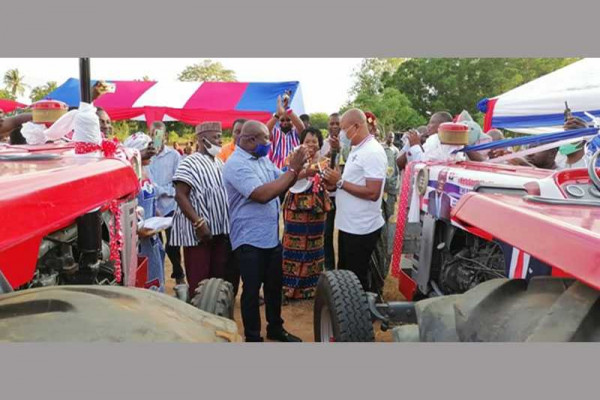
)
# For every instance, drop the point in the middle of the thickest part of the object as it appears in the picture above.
(286, 129)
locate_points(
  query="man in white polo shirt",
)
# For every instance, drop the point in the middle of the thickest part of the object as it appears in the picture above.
(358, 196)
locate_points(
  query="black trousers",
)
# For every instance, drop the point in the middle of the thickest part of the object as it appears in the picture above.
(260, 267)
(355, 254)
(232, 274)
(174, 254)
(329, 229)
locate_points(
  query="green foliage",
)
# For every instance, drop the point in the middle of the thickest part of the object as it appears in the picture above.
(15, 82)
(456, 84)
(392, 109)
(207, 71)
(372, 72)
(121, 130)
(319, 120)
(5, 94)
(39, 92)
(173, 137)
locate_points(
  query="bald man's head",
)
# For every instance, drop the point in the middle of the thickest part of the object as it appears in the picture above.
(354, 123)
(253, 128)
(354, 116)
(436, 120)
(253, 133)
(495, 134)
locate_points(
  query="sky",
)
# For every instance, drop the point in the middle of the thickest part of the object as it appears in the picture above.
(325, 82)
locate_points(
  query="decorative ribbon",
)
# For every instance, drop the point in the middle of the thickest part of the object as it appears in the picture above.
(403, 205)
(108, 147)
(116, 238)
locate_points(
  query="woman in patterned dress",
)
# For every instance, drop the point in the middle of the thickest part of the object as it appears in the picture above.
(304, 212)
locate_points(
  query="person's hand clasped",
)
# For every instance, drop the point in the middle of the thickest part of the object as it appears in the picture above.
(203, 233)
(298, 158)
(413, 138)
(146, 233)
(331, 176)
(280, 109)
(495, 153)
(574, 123)
(148, 153)
(334, 143)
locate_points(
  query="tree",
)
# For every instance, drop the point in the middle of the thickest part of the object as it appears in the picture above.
(319, 120)
(207, 71)
(5, 94)
(39, 92)
(456, 84)
(369, 76)
(392, 109)
(15, 82)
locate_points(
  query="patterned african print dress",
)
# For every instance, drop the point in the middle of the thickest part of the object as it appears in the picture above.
(303, 239)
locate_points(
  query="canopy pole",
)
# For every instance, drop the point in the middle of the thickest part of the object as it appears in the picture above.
(85, 80)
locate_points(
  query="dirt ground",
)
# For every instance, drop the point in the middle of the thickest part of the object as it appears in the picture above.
(298, 315)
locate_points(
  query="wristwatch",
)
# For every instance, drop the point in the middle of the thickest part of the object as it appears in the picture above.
(275, 116)
(339, 184)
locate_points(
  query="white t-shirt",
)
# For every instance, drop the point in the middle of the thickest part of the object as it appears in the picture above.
(563, 164)
(354, 215)
(434, 150)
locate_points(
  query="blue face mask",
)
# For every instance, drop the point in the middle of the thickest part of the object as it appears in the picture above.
(262, 150)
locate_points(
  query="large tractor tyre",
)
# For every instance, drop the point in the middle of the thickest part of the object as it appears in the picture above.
(341, 310)
(544, 309)
(93, 314)
(215, 296)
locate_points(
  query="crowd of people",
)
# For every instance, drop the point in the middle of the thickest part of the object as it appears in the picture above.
(226, 201)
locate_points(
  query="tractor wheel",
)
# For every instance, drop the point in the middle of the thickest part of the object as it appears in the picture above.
(215, 296)
(341, 310)
(544, 309)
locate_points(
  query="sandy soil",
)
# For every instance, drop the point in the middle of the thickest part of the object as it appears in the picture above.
(298, 315)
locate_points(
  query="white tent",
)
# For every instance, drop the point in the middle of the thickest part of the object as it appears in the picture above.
(538, 106)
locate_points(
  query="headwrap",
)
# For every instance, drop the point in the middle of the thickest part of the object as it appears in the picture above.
(371, 119)
(138, 141)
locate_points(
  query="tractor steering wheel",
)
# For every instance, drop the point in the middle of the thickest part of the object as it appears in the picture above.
(592, 170)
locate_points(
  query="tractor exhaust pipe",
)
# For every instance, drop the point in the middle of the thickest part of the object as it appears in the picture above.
(89, 226)
(89, 244)
(85, 85)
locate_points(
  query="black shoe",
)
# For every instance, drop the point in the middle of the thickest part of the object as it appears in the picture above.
(283, 336)
(254, 339)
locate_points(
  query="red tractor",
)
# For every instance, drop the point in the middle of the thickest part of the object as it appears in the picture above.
(69, 265)
(491, 253)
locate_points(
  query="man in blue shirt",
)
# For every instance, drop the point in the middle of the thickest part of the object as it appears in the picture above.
(161, 170)
(253, 187)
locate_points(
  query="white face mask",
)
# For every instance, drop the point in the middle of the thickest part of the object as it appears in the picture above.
(213, 150)
(344, 138)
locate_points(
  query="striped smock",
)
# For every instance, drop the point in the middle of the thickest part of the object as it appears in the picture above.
(204, 174)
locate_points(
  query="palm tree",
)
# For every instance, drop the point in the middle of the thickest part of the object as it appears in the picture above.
(15, 82)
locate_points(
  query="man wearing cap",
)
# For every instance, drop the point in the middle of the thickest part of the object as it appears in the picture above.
(163, 166)
(201, 220)
(253, 186)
